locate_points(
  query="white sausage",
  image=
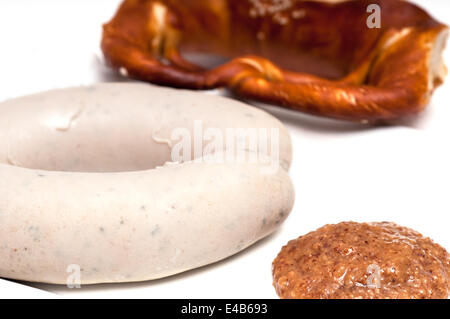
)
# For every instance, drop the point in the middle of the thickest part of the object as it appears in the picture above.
(116, 127)
(135, 222)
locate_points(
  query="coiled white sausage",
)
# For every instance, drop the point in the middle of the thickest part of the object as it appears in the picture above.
(81, 184)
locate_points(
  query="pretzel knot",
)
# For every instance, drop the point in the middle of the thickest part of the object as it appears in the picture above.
(262, 68)
(316, 57)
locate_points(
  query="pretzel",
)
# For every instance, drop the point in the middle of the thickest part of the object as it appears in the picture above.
(317, 57)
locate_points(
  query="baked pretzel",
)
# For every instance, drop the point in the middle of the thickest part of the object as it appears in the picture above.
(316, 57)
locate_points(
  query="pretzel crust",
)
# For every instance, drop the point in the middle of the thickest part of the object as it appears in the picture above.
(315, 57)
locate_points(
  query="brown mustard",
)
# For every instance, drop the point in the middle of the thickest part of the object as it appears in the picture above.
(362, 260)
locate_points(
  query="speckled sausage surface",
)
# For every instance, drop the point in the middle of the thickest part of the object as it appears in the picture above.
(83, 182)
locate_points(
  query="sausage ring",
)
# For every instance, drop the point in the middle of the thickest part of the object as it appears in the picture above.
(83, 184)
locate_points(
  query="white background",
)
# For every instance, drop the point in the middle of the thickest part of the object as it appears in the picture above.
(341, 171)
